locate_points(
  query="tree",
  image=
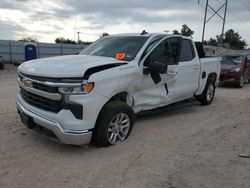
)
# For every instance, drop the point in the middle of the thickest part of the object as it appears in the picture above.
(28, 39)
(104, 35)
(212, 42)
(84, 42)
(62, 40)
(185, 30)
(176, 32)
(232, 38)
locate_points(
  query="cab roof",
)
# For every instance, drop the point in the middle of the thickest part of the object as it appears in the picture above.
(149, 35)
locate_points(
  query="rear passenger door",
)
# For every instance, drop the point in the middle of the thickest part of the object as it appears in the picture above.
(187, 80)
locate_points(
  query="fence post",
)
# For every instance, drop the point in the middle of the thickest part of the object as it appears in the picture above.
(38, 50)
(61, 49)
(10, 51)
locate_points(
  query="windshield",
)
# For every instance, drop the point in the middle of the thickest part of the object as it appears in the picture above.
(113, 45)
(233, 60)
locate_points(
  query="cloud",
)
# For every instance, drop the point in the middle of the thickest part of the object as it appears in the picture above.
(9, 29)
(48, 19)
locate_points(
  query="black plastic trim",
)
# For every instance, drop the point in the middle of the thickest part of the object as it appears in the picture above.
(51, 105)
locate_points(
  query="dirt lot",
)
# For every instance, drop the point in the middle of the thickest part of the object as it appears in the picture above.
(188, 145)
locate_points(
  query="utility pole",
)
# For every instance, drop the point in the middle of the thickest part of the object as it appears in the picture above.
(78, 37)
(224, 20)
(215, 12)
(205, 21)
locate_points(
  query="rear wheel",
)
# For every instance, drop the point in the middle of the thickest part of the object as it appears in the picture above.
(207, 96)
(114, 124)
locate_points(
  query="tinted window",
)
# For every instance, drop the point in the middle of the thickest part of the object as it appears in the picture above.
(110, 46)
(187, 52)
(151, 45)
(166, 52)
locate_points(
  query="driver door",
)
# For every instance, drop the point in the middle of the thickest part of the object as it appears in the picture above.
(156, 88)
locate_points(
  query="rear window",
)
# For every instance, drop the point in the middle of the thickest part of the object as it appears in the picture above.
(110, 46)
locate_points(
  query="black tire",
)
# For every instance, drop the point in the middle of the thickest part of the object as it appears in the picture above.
(204, 98)
(110, 111)
(1, 66)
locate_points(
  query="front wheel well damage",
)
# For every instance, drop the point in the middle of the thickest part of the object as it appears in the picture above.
(122, 96)
(117, 97)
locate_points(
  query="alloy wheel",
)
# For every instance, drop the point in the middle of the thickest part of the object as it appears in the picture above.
(118, 128)
(210, 92)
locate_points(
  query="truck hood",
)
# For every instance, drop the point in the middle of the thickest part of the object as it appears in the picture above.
(65, 66)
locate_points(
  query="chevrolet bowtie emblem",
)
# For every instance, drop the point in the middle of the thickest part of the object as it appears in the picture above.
(26, 83)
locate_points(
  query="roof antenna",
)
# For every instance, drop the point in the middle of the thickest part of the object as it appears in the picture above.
(144, 32)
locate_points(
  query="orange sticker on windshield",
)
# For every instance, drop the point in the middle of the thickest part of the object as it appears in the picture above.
(120, 56)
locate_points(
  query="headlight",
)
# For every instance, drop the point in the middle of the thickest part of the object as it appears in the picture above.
(85, 88)
(235, 69)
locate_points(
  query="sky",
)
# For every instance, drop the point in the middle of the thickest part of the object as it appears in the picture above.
(46, 20)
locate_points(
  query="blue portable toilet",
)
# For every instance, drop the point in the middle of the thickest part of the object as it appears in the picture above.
(30, 50)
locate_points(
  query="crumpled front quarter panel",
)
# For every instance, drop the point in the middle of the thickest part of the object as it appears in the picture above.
(115, 80)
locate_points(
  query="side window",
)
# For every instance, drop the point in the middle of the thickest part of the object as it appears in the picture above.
(166, 52)
(150, 46)
(187, 51)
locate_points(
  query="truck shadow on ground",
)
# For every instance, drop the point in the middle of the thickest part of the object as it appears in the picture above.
(183, 107)
(231, 86)
(178, 108)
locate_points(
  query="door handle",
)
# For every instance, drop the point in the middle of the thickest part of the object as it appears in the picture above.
(196, 67)
(172, 72)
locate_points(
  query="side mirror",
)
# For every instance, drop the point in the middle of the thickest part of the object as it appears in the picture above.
(155, 67)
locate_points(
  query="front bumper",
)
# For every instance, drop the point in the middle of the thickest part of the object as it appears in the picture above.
(56, 132)
(230, 78)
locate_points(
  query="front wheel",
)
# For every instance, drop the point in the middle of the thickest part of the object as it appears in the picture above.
(207, 96)
(114, 124)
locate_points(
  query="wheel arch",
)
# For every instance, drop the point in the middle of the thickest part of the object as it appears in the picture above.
(212, 77)
(120, 96)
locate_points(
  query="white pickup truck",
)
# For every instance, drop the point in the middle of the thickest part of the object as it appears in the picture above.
(93, 96)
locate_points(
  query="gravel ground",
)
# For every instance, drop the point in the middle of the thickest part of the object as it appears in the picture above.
(186, 145)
